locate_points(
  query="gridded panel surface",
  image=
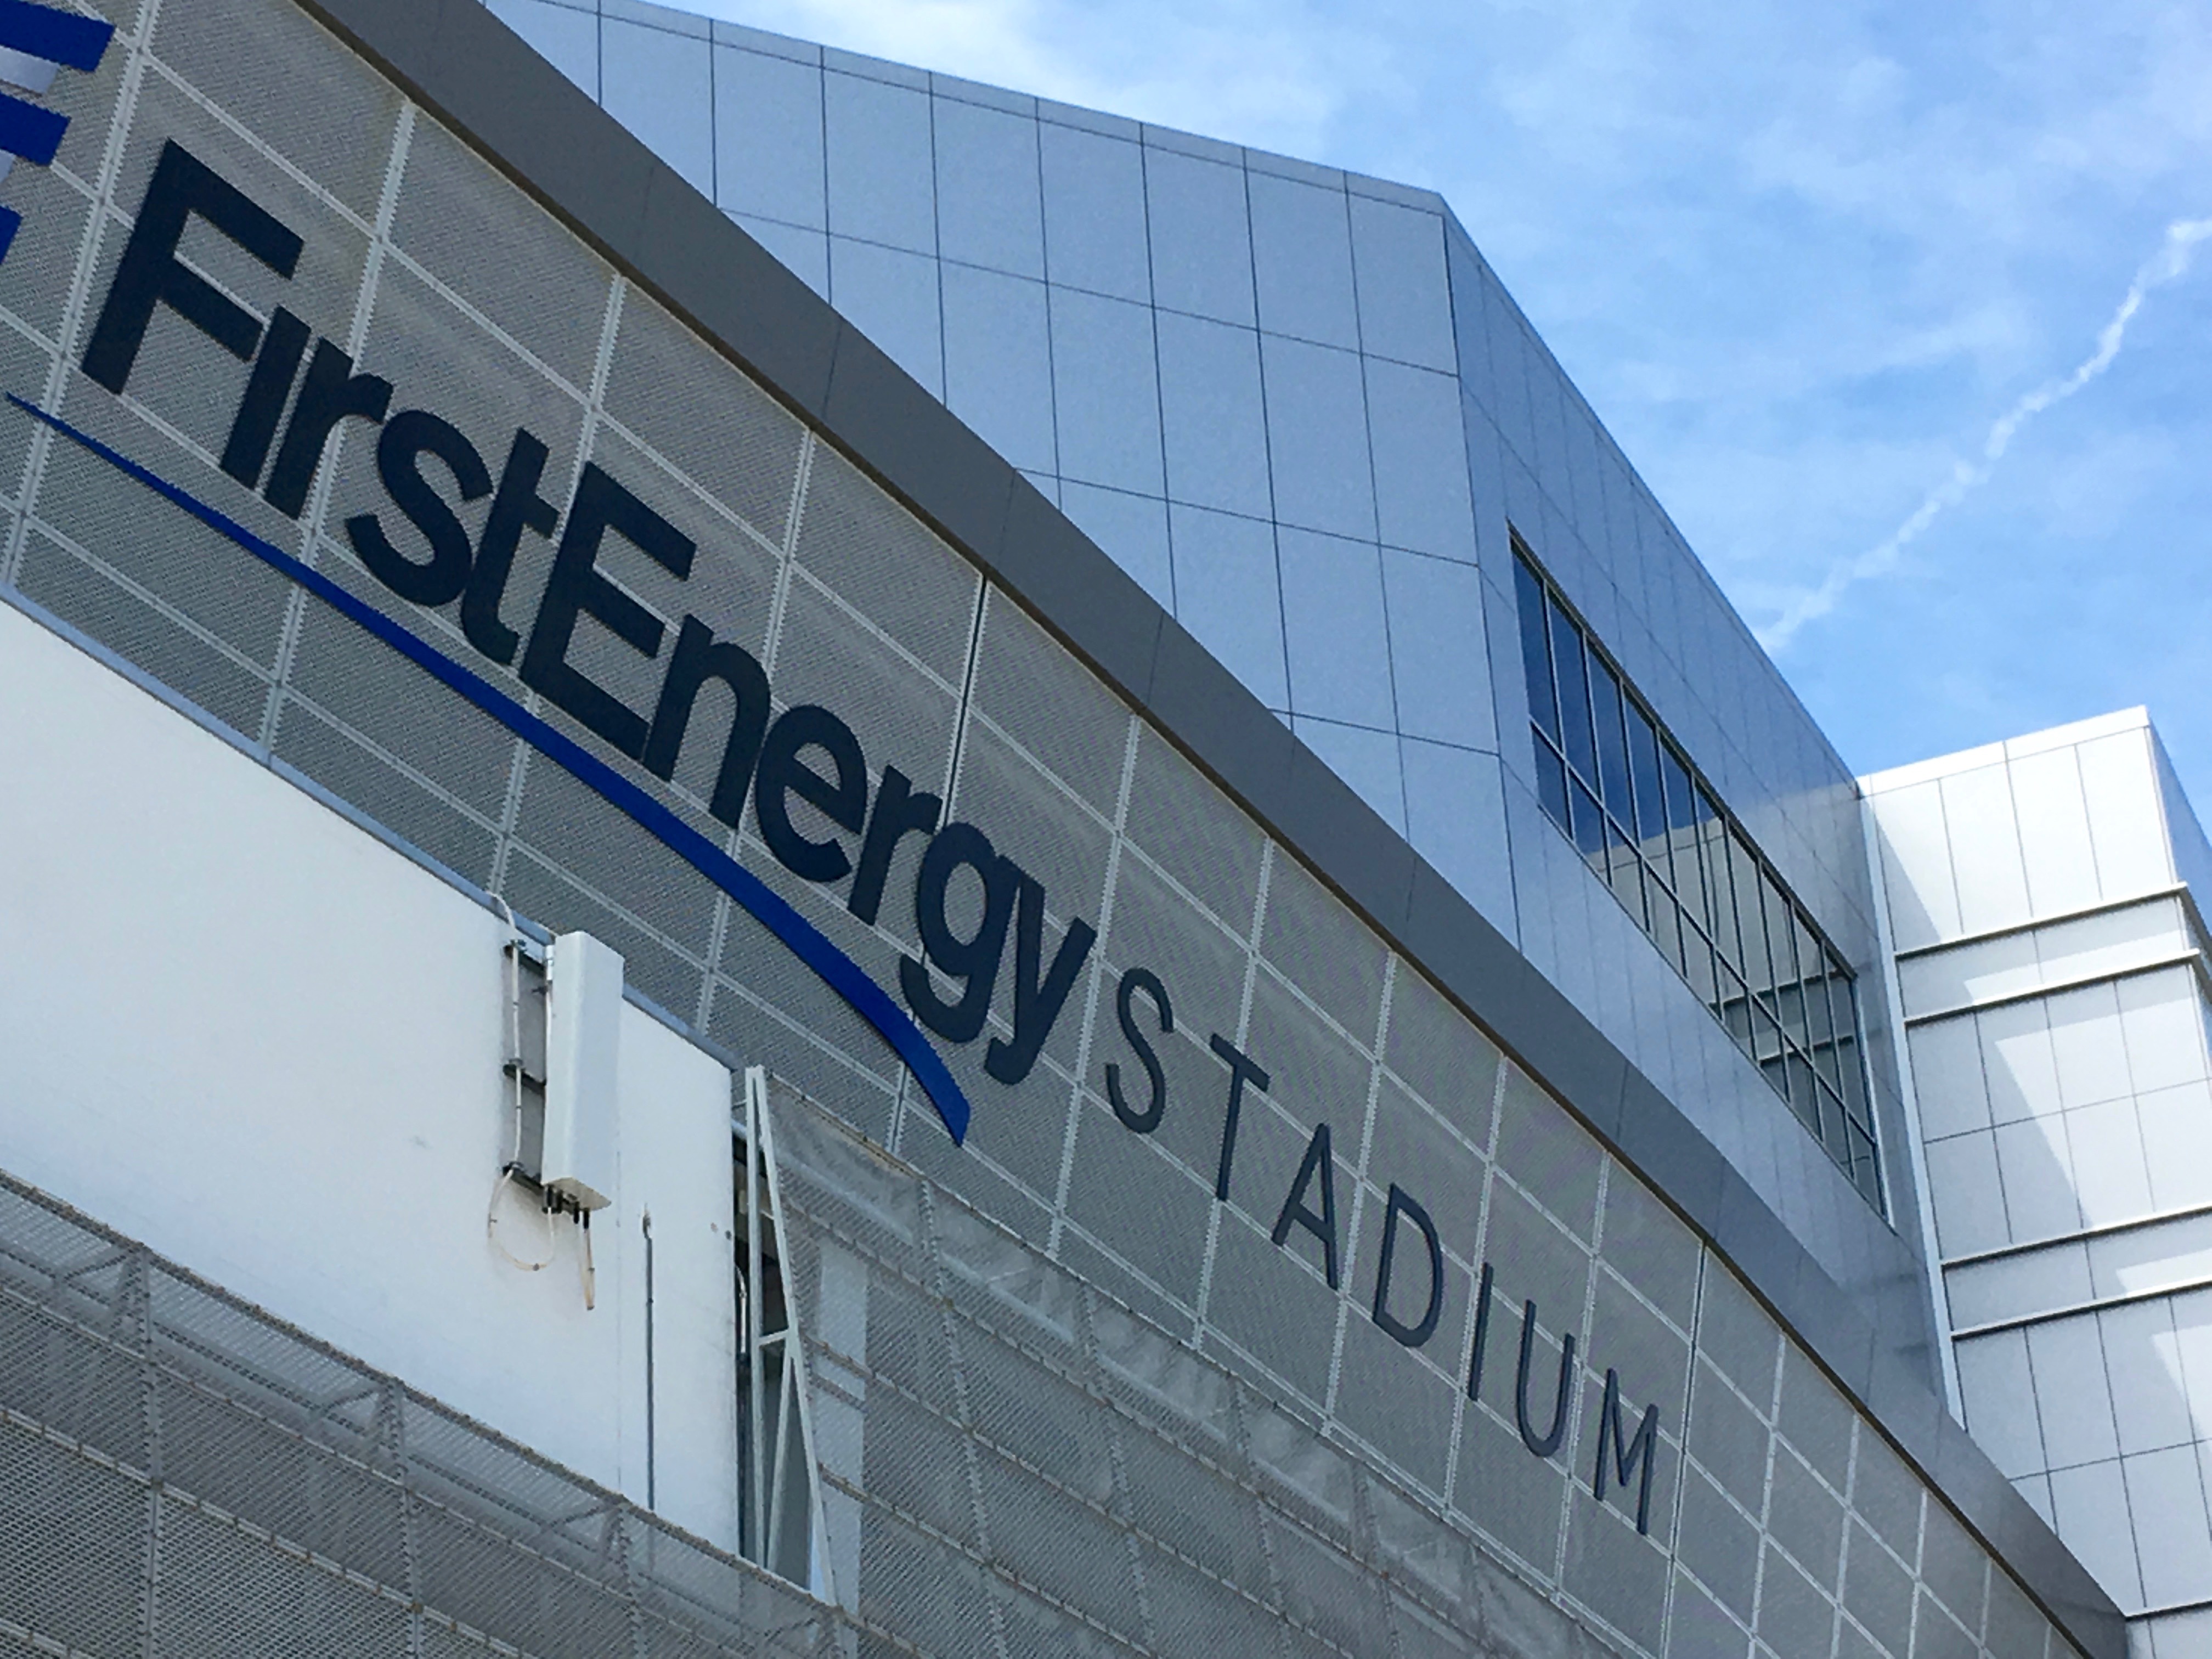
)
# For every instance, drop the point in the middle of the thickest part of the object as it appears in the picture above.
(181, 1475)
(1030, 1444)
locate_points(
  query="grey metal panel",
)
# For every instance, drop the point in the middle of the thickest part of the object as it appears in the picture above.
(1229, 593)
(768, 137)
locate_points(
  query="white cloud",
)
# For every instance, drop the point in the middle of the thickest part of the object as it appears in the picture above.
(2171, 262)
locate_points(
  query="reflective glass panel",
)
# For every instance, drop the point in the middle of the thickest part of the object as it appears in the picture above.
(1552, 785)
(1438, 659)
(1866, 1166)
(1418, 446)
(1624, 871)
(1229, 594)
(1819, 1030)
(1810, 963)
(1835, 1127)
(1316, 403)
(1643, 764)
(1201, 248)
(1681, 800)
(1301, 254)
(1855, 1100)
(1334, 619)
(1698, 964)
(1404, 301)
(1665, 921)
(1536, 654)
(768, 137)
(1589, 824)
(988, 206)
(1720, 884)
(1609, 775)
(1734, 1008)
(881, 187)
(1574, 695)
(1781, 952)
(1751, 929)
(660, 86)
(1611, 742)
(1789, 1004)
(1094, 212)
(1214, 417)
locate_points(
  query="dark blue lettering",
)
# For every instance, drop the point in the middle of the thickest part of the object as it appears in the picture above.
(1627, 1454)
(516, 508)
(331, 393)
(1136, 980)
(898, 813)
(1481, 1333)
(1402, 1206)
(1545, 1444)
(576, 588)
(973, 961)
(842, 798)
(254, 428)
(1295, 1212)
(1241, 1070)
(1037, 1001)
(700, 657)
(407, 438)
(182, 188)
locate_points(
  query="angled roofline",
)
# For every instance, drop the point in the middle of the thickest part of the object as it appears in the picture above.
(459, 62)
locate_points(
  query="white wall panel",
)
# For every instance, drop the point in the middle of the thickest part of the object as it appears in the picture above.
(1995, 1378)
(1962, 1178)
(301, 1031)
(2173, 1543)
(1947, 1075)
(2032, 1157)
(2163, 1015)
(2112, 1182)
(2177, 1131)
(2088, 1045)
(2073, 1401)
(2053, 822)
(1916, 858)
(2090, 1505)
(2143, 1362)
(2017, 1058)
(2125, 821)
(1978, 812)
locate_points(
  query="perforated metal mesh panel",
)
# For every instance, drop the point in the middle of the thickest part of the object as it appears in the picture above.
(180, 1474)
(1031, 1467)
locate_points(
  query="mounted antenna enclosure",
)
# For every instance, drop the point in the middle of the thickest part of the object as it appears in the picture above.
(583, 1037)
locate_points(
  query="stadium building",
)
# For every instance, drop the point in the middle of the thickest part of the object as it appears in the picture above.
(803, 860)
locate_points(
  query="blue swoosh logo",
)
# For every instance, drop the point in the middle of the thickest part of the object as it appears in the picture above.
(799, 936)
(31, 131)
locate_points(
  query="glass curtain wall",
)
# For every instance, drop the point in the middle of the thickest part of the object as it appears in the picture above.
(1618, 786)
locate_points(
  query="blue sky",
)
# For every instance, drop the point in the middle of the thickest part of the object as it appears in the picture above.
(1803, 261)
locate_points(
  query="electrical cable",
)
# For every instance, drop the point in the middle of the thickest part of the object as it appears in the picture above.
(511, 1171)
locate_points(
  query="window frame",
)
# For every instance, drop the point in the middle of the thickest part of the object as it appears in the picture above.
(1739, 937)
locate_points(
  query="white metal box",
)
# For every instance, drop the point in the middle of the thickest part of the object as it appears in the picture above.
(583, 1035)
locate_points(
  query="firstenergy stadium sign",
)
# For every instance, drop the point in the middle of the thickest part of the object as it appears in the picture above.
(297, 388)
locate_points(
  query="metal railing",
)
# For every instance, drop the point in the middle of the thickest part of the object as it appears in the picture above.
(181, 1473)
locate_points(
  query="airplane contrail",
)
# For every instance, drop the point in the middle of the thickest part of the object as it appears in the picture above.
(2169, 263)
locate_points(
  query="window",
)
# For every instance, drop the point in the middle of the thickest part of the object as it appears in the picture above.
(1654, 832)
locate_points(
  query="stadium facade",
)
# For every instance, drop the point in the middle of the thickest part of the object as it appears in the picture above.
(808, 860)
